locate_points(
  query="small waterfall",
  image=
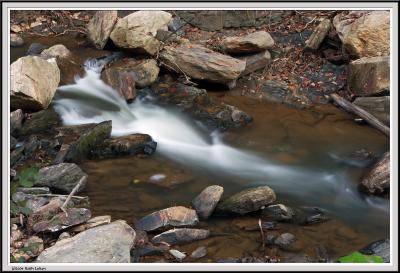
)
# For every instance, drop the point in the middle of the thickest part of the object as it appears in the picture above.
(178, 138)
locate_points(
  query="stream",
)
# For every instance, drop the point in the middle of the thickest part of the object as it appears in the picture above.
(301, 154)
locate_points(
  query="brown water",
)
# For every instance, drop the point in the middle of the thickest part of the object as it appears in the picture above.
(303, 139)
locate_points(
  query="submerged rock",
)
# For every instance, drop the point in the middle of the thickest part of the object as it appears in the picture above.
(100, 27)
(278, 91)
(380, 248)
(201, 63)
(179, 236)
(285, 241)
(170, 217)
(246, 201)
(16, 40)
(199, 252)
(278, 212)
(377, 180)
(250, 43)
(126, 145)
(36, 49)
(207, 200)
(379, 107)
(167, 179)
(103, 244)
(369, 76)
(62, 177)
(33, 82)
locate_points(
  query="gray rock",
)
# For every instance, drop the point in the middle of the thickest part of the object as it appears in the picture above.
(100, 27)
(379, 107)
(103, 244)
(285, 241)
(256, 62)
(380, 248)
(32, 202)
(369, 76)
(207, 200)
(278, 212)
(34, 190)
(170, 217)
(176, 25)
(179, 236)
(179, 256)
(250, 43)
(35, 49)
(41, 122)
(16, 40)
(33, 82)
(246, 201)
(201, 63)
(62, 177)
(199, 252)
(16, 118)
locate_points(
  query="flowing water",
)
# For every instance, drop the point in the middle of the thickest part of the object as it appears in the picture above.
(301, 154)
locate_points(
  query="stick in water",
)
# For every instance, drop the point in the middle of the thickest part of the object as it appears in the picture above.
(77, 186)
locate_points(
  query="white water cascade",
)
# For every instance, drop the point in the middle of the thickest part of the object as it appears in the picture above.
(91, 100)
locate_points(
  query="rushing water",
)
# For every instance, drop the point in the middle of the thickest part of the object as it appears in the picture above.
(299, 153)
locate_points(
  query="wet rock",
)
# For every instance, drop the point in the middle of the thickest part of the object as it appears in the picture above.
(93, 222)
(278, 212)
(379, 107)
(201, 63)
(377, 180)
(63, 220)
(256, 62)
(147, 250)
(123, 75)
(179, 236)
(170, 217)
(35, 49)
(127, 145)
(285, 241)
(248, 200)
(379, 248)
(91, 137)
(33, 82)
(270, 238)
(310, 216)
(16, 40)
(62, 177)
(264, 225)
(108, 244)
(359, 158)
(250, 43)
(56, 51)
(369, 76)
(16, 118)
(41, 122)
(100, 27)
(207, 200)
(199, 252)
(179, 256)
(367, 35)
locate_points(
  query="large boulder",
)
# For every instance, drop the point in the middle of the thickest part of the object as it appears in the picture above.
(170, 217)
(100, 27)
(103, 244)
(250, 43)
(179, 236)
(367, 35)
(135, 41)
(62, 177)
(377, 180)
(248, 200)
(379, 107)
(201, 63)
(207, 200)
(33, 82)
(369, 76)
(123, 75)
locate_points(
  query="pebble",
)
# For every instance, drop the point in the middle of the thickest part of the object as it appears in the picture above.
(177, 254)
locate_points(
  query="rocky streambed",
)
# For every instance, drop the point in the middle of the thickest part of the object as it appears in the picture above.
(228, 151)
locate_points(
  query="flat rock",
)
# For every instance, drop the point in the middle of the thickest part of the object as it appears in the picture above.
(250, 43)
(179, 236)
(201, 63)
(369, 76)
(278, 212)
(103, 244)
(377, 180)
(170, 217)
(207, 200)
(379, 107)
(62, 177)
(366, 34)
(248, 200)
(100, 27)
(256, 62)
(33, 82)
(126, 145)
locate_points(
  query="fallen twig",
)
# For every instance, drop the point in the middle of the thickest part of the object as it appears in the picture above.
(262, 234)
(77, 186)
